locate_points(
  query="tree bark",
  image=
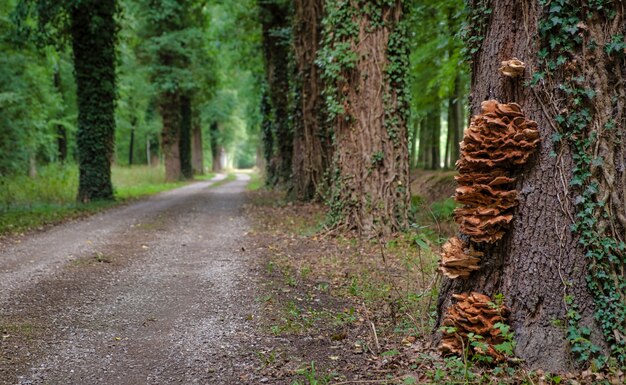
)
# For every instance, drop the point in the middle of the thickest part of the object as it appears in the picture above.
(423, 155)
(169, 107)
(371, 190)
(455, 125)
(60, 129)
(274, 18)
(197, 156)
(433, 119)
(131, 147)
(185, 137)
(216, 153)
(93, 31)
(414, 142)
(539, 261)
(312, 149)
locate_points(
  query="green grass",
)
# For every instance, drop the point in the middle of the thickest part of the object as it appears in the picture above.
(256, 181)
(50, 197)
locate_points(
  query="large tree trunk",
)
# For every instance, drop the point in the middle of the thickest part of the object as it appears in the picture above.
(274, 18)
(197, 156)
(93, 30)
(185, 137)
(371, 188)
(540, 264)
(311, 144)
(169, 106)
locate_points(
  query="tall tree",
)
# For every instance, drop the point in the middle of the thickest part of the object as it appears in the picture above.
(562, 260)
(174, 37)
(92, 27)
(274, 15)
(311, 145)
(197, 155)
(365, 59)
(184, 143)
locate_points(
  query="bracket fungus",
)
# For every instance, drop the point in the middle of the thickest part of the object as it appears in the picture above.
(473, 313)
(512, 68)
(458, 259)
(496, 143)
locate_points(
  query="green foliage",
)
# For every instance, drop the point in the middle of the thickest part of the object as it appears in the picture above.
(438, 71)
(436, 52)
(234, 35)
(31, 107)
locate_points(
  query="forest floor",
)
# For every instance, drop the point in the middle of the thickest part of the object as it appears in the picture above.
(214, 284)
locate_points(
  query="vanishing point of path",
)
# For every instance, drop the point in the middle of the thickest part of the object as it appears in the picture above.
(160, 291)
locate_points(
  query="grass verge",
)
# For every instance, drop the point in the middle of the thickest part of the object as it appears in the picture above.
(348, 311)
(28, 203)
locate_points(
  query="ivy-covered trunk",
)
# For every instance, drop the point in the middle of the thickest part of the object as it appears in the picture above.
(197, 156)
(560, 266)
(185, 137)
(275, 22)
(267, 137)
(312, 149)
(365, 59)
(170, 108)
(93, 31)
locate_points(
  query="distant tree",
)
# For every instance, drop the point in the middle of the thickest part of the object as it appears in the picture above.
(173, 42)
(438, 79)
(92, 28)
(365, 59)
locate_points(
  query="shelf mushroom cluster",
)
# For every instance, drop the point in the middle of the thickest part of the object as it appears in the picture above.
(497, 142)
(473, 313)
(458, 259)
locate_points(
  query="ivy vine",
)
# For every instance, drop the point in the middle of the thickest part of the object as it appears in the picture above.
(337, 59)
(564, 34)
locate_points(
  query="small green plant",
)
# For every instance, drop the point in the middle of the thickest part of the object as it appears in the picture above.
(312, 377)
(267, 358)
(443, 210)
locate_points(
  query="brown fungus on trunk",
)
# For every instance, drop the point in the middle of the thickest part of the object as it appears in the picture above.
(458, 259)
(513, 68)
(473, 313)
(497, 142)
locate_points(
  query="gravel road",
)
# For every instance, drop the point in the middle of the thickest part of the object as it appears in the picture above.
(160, 291)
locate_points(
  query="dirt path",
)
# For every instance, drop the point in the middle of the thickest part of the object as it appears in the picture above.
(157, 292)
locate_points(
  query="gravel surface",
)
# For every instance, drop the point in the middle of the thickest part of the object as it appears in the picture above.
(161, 291)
